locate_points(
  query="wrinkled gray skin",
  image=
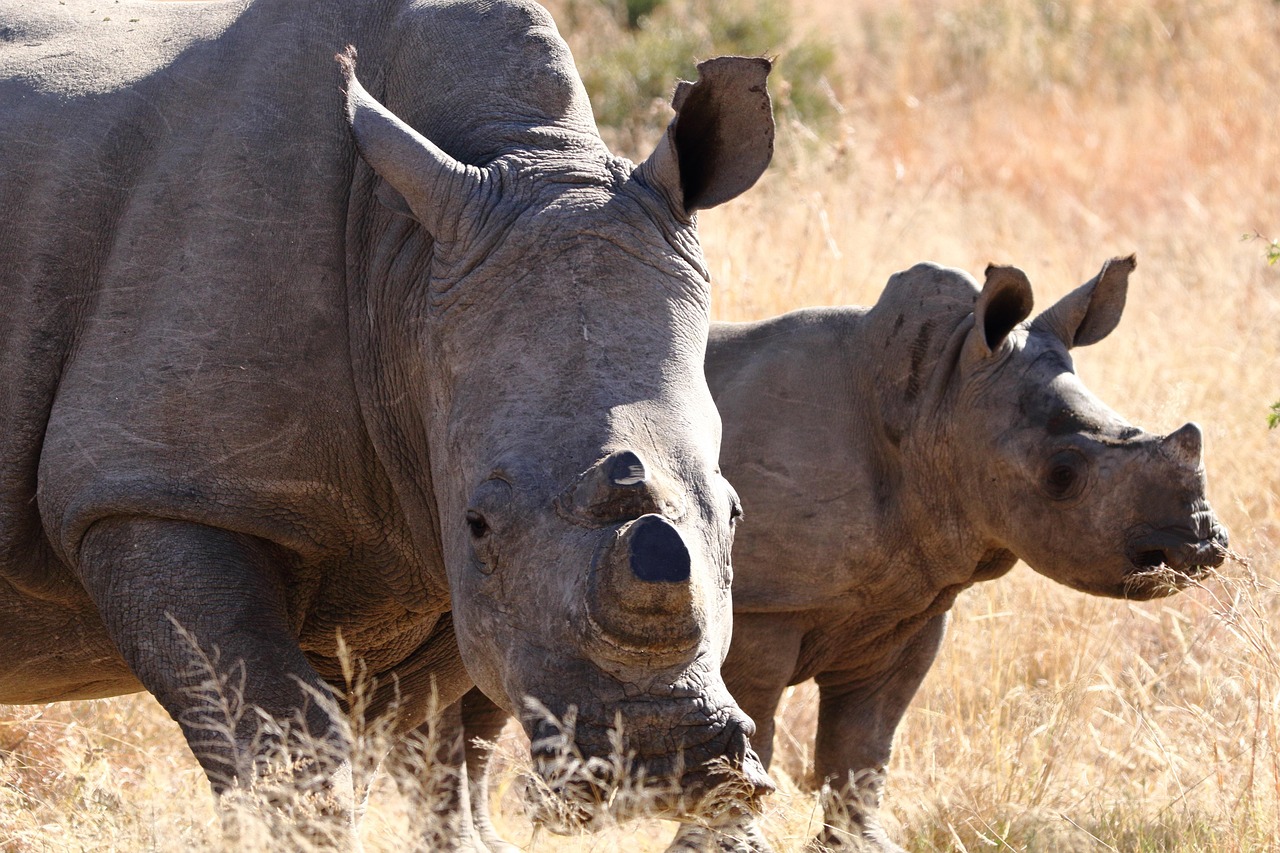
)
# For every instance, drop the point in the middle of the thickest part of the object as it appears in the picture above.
(890, 457)
(270, 389)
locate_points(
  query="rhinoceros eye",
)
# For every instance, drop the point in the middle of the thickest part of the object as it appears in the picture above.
(1065, 475)
(735, 506)
(477, 525)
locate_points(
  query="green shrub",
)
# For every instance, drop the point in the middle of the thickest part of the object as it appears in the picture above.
(630, 57)
(637, 9)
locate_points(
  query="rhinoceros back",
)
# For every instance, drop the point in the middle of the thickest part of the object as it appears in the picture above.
(172, 264)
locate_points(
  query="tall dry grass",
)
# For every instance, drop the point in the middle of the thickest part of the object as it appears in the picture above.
(1051, 135)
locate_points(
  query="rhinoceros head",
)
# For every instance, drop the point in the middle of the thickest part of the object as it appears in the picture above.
(561, 315)
(1057, 477)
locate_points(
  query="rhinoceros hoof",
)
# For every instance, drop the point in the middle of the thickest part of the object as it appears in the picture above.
(869, 839)
(701, 839)
(491, 843)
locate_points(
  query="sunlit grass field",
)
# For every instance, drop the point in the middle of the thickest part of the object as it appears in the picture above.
(1049, 135)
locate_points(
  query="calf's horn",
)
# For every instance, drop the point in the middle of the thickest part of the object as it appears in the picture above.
(1184, 446)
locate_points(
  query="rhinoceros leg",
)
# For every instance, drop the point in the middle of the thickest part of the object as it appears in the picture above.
(429, 767)
(482, 720)
(171, 591)
(441, 765)
(759, 666)
(856, 723)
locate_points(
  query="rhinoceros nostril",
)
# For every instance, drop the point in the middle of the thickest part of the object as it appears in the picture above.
(658, 553)
(1149, 559)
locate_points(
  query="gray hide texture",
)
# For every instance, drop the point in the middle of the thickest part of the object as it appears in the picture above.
(262, 391)
(887, 459)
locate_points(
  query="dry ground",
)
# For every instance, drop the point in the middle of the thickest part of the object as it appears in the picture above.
(1051, 135)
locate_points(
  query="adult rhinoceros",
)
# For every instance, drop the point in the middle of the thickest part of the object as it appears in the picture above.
(890, 457)
(264, 394)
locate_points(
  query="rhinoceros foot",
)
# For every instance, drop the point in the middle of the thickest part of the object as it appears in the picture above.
(740, 835)
(861, 834)
(869, 840)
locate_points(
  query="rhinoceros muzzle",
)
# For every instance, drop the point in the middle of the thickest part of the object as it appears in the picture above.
(1165, 560)
(719, 775)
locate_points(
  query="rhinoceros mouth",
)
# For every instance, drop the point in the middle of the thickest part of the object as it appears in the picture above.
(1158, 581)
(573, 792)
(1165, 561)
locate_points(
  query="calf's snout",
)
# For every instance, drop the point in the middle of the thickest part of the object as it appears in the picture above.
(1178, 550)
(740, 779)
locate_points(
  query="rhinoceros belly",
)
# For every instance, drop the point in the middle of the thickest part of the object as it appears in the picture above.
(53, 652)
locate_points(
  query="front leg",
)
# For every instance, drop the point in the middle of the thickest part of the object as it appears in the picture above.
(740, 834)
(441, 766)
(428, 767)
(482, 720)
(199, 615)
(856, 723)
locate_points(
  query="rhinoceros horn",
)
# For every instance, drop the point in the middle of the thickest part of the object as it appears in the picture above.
(1184, 446)
(433, 184)
(640, 589)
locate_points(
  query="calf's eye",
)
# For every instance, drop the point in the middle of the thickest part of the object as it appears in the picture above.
(1065, 475)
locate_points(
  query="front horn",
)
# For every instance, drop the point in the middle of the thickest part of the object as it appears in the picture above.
(641, 589)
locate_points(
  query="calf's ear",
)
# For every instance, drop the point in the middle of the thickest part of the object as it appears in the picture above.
(1005, 301)
(721, 138)
(1087, 314)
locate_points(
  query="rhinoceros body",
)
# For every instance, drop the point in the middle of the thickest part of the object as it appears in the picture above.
(267, 394)
(890, 457)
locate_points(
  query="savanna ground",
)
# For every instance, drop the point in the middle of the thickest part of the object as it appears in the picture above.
(1050, 135)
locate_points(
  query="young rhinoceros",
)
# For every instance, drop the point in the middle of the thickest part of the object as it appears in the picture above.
(894, 456)
(888, 458)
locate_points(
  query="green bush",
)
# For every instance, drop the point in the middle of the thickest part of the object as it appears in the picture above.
(637, 9)
(630, 58)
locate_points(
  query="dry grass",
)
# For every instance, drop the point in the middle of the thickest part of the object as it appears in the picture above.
(1051, 135)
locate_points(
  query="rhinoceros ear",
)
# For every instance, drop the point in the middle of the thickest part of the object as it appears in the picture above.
(721, 138)
(1005, 301)
(1087, 314)
(433, 185)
